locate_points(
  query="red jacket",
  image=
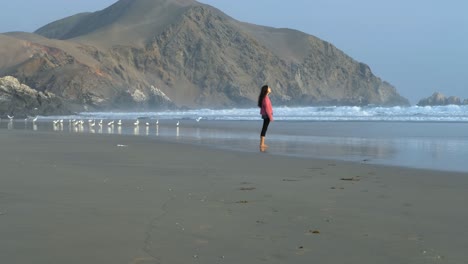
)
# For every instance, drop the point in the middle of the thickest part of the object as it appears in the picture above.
(267, 109)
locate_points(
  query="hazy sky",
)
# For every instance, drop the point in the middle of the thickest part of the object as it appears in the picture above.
(419, 46)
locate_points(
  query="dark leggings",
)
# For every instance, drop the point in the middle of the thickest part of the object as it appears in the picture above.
(266, 122)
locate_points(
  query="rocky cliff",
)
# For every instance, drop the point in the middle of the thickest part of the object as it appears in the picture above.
(440, 99)
(148, 54)
(20, 100)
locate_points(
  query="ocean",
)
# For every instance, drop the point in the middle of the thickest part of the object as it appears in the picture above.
(433, 138)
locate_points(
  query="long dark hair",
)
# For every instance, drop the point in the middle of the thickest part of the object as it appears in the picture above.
(262, 95)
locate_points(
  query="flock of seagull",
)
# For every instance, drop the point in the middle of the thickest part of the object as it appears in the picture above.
(34, 119)
(92, 122)
(98, 125)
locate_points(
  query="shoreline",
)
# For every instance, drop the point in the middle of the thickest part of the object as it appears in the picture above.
(432, 146)
(210, 146)
(80, 198)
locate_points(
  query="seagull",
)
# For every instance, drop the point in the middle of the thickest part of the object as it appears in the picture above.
(93, 124)
(147, 124)
(111, 123)
(100, 122)
(137, 122)
(35, 119)
(11, 117)
(157, 122)
(119, 123)
(198, 119)
(177, 123)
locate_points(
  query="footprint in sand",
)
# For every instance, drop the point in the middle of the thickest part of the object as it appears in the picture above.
(334, 188)
(357, 178)
(290, 180)
(247, 188)
(301, 250)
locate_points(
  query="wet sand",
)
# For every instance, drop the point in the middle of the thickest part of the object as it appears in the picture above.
(431, 146)
(82, 198)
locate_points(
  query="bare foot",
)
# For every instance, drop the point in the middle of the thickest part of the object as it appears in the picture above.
(263, 147)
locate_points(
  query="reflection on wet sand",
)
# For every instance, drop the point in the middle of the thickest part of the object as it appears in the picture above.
(416, 151)
(353, 148)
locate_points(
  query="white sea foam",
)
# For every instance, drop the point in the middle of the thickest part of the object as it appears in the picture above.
(450, 113)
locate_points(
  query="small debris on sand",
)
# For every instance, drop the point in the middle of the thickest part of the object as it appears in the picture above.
(351, 179)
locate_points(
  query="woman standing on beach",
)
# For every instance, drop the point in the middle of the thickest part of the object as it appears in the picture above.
(266, 111)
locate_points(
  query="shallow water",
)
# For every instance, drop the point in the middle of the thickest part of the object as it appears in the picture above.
(429, 145)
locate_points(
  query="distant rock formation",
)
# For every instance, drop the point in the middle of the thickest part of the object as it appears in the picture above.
(194, 54)
(20, 100)
(137, 99)
(440, 99)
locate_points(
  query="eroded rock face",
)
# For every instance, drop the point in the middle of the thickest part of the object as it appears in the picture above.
(194, 54)
(440, 99)
(20, 100)
(139, 100)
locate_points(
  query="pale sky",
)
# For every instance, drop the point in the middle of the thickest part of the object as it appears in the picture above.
(419, 46)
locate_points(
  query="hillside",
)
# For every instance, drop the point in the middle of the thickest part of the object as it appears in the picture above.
(142, 54)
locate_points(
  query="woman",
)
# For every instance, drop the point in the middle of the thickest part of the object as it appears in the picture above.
(266, 111)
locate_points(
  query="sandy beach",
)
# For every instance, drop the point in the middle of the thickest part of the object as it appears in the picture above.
(82, 198)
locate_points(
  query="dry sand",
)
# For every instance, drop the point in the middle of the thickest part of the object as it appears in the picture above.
(68, 198)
